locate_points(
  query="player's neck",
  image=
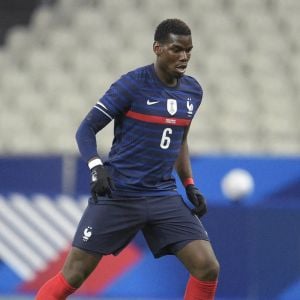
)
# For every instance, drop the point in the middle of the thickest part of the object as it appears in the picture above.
(166, 79)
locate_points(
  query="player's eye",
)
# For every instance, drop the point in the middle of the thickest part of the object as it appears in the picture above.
(176, 50)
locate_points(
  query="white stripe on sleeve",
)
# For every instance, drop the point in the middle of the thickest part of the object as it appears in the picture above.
(103, 112)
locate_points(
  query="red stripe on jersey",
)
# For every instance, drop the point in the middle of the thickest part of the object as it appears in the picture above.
(158, 119)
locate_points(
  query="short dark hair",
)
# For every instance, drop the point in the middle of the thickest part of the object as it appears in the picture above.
(168, 26)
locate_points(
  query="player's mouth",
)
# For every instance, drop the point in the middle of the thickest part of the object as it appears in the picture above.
(181, 68)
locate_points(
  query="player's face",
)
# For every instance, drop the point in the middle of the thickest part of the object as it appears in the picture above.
(174, 55)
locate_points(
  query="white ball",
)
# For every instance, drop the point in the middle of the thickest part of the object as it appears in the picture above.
(237, 184)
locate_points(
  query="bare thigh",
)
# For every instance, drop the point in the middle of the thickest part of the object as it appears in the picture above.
(199, 259)
(79, 265)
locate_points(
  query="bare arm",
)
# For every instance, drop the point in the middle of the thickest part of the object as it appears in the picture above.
(184, 171)
(183, 163)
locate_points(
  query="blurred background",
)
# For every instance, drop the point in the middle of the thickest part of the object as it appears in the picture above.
(57, 57)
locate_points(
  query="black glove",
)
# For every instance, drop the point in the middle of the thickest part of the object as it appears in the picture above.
(197, 199)
(101, 183)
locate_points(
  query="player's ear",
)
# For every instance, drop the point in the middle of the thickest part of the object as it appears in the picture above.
(157, 48)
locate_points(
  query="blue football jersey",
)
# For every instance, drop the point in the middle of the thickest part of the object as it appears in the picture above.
(150, 119)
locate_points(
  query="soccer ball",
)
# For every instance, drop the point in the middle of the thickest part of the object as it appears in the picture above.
(237, 184)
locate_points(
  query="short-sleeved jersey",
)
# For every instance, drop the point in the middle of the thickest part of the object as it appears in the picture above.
(150, 120)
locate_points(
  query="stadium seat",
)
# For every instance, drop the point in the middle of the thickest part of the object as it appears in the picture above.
(246, 56)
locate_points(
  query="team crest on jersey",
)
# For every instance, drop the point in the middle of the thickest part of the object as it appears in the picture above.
(190, 106)
(172, 106)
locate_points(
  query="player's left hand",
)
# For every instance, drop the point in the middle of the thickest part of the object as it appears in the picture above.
(197, 199)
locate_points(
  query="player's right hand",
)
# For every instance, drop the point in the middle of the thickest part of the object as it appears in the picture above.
(101, 183)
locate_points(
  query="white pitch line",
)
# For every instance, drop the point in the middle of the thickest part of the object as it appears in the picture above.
(27, 209)
(13, 260)
(28, 233)
(48, 208)
(70, 207)
(18, 245)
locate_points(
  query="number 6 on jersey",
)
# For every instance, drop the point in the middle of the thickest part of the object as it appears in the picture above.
(165, 139)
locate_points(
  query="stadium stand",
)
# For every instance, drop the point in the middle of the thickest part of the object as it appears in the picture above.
(14, 12)
(246, 56)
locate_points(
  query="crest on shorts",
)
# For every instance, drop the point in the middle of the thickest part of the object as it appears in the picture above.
(172, 106)
(87, 233)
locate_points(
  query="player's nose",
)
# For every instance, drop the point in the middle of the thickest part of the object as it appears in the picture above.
(184, 56)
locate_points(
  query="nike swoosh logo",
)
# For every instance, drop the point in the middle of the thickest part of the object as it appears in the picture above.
(151, 102)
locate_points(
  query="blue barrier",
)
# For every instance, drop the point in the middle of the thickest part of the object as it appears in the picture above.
(256, 240)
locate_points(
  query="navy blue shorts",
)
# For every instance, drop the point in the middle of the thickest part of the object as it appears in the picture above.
(107, 226)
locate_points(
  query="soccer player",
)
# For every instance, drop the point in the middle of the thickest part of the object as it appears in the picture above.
(152, 108)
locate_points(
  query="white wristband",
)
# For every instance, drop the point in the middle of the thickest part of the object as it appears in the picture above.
(95, 162)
